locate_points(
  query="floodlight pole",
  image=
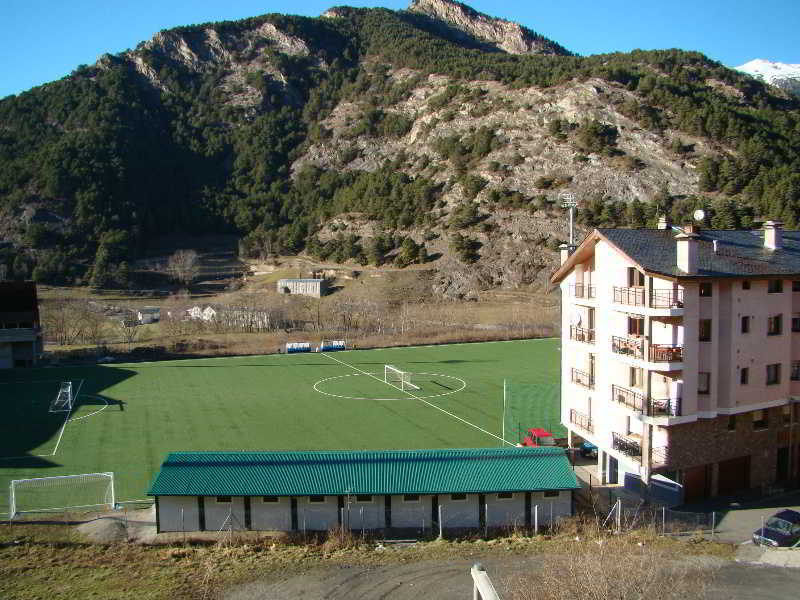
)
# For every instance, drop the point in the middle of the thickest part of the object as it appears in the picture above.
(568, 201)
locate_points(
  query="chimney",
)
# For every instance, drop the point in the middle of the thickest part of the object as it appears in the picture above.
(687, 252)
(773, 235)
(566, 250)
(689, 228)
(662, 222)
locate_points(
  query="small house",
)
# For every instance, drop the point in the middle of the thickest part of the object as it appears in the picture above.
(148, 314)
(303, 287)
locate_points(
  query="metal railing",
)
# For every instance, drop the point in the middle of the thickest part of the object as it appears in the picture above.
(582, 420)
(664, 407)
(582, 290)
(628, 398)
(666, 298)
(626, 445)
(581, 334)
(628, 346)
(666, 353)
(630, 296)
(583, 378)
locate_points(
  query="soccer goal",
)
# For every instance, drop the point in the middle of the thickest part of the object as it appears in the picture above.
(397, 378)
(67, 492)
(63, 401)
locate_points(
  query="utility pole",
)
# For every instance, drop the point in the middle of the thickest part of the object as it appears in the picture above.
(568, 201)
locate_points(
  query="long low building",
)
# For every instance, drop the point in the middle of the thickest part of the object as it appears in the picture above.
(400, 489)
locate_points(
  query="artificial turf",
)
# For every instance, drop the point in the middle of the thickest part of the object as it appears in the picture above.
(273, 402)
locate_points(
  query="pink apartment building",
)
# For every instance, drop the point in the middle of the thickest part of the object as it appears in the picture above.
(680, 354)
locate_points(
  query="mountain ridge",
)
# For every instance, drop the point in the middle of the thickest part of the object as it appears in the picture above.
(782, 75)
(379, 136)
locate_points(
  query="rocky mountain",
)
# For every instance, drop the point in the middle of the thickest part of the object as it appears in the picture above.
(781, 75)
(435, 136)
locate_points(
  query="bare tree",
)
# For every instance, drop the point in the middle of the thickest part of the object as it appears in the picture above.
(128, 330)
(184, 266)
(62, 320)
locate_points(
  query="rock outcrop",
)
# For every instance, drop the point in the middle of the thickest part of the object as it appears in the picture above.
(504, 35)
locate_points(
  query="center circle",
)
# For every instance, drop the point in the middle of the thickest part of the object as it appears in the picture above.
(401, 395)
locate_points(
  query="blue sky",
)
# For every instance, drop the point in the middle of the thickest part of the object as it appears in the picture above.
(44, 40)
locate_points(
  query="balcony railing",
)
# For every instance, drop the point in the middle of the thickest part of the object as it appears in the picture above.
(664, 407)
(666, 298)
(583, 378)
(659, 457)
(666, 353)
(630, 296)
(633, 347)
(628, 398)
(582, 420)
(626, 445)
(581, 334)
(582, 290)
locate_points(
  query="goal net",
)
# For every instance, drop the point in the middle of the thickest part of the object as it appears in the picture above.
(527, 405)
(63, 401)
(67, 492)
(398, 378)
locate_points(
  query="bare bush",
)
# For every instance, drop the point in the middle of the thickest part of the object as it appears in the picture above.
(184, 266)
(604, 569)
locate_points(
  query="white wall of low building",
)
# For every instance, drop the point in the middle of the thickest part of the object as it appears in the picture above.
(367, 515)
(560, 506)
(317, 516)
(459, 513)
(217, 513)
(505, 512)
(169, 513)
(411, 514)
(270, 516)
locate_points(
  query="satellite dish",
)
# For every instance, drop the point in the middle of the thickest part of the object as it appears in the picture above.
(575, 319)
(699, 215)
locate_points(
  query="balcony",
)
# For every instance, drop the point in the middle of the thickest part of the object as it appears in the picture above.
(627, 445)
(666, 353)
(583, 378)
(633, 347)
(666, 299)
(581, 334)
(581, 420)
(652, 407)
(659, 457)
(583, 291)
(629, 296)
(629, 398)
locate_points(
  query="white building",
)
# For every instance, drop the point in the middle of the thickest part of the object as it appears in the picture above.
(681, 355)
(303, 287)
(389, 489)
(148, 314)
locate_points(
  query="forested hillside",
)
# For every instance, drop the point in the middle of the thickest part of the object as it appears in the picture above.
(371, 135)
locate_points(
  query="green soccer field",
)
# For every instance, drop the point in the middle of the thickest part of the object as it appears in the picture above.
(129, 416)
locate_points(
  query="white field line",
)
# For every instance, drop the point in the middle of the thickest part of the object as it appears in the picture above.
(93, 413)
(431, 404)
(64, 426)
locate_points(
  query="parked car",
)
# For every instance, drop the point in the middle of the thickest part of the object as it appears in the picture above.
(781, 529)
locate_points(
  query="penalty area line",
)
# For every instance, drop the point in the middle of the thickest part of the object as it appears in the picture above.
(64, 426)
(431, 404)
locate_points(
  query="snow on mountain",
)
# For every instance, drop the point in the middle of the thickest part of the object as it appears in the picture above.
(782, 75)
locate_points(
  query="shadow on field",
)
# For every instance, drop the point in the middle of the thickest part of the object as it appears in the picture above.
(28, 425)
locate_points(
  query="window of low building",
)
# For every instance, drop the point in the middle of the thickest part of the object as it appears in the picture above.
(223, 499)
(703, 383)
(796, 322)
(775, 286)
(746, 324)
(505, 495)
(775, 325)
(410, 497)
(786, 414)
(552, 494)
(269, 499)
(746, 284)
(705, 289)
(731, 422)
(774, 374)
(705, 330)
(744, 376)
(316, 499)
(760, 419)
(364, 498)
(458, 497)
(796, 285)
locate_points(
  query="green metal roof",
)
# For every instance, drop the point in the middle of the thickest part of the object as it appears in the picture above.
(366, 472)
